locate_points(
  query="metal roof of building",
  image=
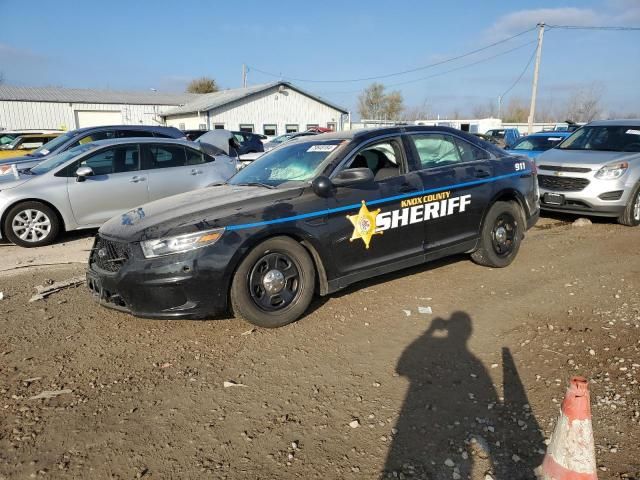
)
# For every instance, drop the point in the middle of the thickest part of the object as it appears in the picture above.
(210, 101)
(84, 95)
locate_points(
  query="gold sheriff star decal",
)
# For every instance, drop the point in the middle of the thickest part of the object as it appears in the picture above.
(364, 224)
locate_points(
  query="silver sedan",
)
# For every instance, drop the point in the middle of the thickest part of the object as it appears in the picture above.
(87, 185)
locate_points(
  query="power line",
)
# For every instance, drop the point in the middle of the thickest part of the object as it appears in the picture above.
(533, 54)
(580, 27)
(438, 74)
(395, 74)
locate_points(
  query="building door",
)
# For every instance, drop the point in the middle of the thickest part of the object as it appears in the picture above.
(96, 118)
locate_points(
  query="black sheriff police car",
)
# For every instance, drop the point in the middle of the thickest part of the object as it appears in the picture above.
(314, 216)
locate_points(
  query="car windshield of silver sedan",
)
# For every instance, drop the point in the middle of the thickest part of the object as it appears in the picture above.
(297, 162)
(57, 160)
(604, 138)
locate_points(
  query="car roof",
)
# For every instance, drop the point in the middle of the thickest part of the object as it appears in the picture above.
(614, 123)
(549, 133)
(156, 128)
(129, 140)
(365, 133)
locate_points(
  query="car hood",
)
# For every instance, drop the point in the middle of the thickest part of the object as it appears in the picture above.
(22, 159)
(9, 180)
(584, 158)
(203, 209)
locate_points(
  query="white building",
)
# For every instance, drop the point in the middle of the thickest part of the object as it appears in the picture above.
(71, 108)
(269, 109)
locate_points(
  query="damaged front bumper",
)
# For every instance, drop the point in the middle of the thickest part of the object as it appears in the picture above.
(187, 285)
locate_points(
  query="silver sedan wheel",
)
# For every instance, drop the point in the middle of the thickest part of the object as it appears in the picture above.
(31, 225)
(636, 208)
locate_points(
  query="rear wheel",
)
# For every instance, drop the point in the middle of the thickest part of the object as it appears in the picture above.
(501, 235)
(274, 284)
(631, 214)
(31, 224)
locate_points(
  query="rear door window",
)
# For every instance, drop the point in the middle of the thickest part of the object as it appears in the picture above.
(164, 156)
(196, 158)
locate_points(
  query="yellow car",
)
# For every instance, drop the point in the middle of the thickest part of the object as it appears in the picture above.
(25, 144)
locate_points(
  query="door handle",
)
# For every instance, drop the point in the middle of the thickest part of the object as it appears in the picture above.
(136, 179)
(196, 172)
(482, 173)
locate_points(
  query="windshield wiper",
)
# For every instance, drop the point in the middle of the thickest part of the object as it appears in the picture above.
(254, 184)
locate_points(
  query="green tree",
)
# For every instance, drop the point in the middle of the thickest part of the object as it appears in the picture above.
(202, 85)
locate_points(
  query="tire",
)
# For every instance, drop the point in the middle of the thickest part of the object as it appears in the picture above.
(282, 265)
(31, 224)
(631, 215)
(501, 235)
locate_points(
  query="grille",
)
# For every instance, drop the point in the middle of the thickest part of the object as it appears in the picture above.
(562, 184)
(108, 255)
(554, 168)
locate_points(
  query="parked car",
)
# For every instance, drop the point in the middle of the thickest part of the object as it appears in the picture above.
(487, 138)
(8, 136)
(316, 214)
(249, 142)
(89, 134)
(496, 133)
(86, 185)
(280, 139)
(595, 171)
(25, 144)
(536, 143)
(193, 135)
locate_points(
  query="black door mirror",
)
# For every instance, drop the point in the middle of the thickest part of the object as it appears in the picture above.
(352, 176)
(323, 186)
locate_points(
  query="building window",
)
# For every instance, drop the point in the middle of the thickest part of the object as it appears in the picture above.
(331, 126)
(291, 128)
(181, 126)
(270, 129)
(312, 126)
(218, 126)
(202, 126)
(246, 127)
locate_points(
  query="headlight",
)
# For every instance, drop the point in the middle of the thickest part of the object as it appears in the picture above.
(180, 243)
(613, 171)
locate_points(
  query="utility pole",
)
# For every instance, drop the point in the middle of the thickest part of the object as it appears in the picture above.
(534, 89)
(244, 76)
(500, 107)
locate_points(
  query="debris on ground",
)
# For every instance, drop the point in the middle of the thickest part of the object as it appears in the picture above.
(425, 310)
(231, 383)
(50, 394)
(582, 222)
(43, 292)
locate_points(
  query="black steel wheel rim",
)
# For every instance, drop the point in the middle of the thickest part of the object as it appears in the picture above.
(503, 234)
(275, 281)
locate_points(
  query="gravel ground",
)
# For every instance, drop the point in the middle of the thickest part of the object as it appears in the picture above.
(365, 386)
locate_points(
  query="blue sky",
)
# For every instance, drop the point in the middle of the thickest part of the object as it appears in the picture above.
(162, 44)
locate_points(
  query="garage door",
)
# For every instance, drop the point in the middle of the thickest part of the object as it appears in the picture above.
(96, 118)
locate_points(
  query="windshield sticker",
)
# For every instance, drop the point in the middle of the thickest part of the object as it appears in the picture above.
(632, 132)
(44, 151)
(322, 148)
(554, 139)
(368, 223)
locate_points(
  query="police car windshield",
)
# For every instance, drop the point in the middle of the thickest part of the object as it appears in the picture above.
(295, 162)
(56, 160)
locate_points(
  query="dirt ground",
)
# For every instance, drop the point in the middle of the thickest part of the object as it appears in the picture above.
(367, 385)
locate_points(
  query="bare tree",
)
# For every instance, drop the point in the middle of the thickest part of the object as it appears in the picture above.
(202, 85)
(417, 112)
(516, 111)
(374, 103)
(484, 111)
(584, 105)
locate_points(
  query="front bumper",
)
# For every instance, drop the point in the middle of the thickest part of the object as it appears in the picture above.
(187, 285)
(606, 198)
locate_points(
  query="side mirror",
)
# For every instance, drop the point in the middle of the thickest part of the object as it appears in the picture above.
(82, 173)
(322, 186)
(352, 176)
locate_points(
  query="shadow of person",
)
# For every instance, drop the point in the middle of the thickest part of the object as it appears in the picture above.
(450, 425)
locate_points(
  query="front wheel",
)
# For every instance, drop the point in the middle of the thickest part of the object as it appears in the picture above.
(501, 235)
(31, 224)
(631, 215)
(274, 284)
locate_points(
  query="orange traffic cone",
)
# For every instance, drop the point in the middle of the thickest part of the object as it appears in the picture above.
(571, 453)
